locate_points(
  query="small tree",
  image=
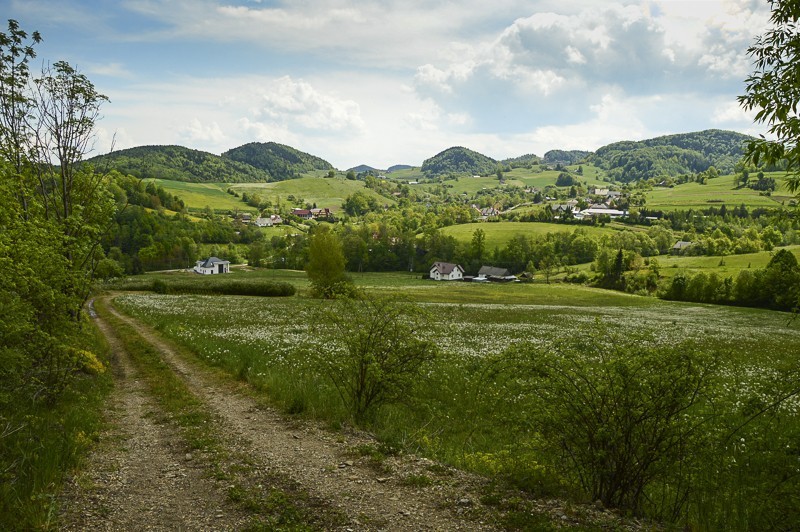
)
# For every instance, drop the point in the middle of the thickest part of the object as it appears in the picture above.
(382, 356)
(325, 267)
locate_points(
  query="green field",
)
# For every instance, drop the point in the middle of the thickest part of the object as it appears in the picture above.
(728, 266)
(324, 192)
(717, 192)
(317, 190)
(461, 414)
(404, 176)
(498, 234)
(198, 196)
(518, 177)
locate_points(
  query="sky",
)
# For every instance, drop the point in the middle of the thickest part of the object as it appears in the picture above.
(385, 82)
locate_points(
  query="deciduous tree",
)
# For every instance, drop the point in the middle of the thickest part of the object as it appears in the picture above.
(773, 91)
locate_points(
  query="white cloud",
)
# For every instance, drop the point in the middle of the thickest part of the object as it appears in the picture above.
(196, 133)
(574, 55)
(731, 114)
(297, 103)
(113, 70)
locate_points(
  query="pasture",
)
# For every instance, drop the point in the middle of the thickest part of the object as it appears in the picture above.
(717, 192)
(498, 234)
(198, 196)
(324, 192)
(727, 266)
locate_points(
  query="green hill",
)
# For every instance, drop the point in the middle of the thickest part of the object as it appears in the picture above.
(522, 161)
(671, 155)
(398, 167)
(364, 168)
(565, 157)
(176, 163)
(282, 162)
(458, 160)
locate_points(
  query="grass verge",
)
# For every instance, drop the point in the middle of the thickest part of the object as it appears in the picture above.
(41, 443)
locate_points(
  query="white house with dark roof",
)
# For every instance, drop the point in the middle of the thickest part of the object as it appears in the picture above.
(446, 271)
(212, 265)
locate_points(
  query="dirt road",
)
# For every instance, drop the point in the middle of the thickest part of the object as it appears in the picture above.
(141, 476)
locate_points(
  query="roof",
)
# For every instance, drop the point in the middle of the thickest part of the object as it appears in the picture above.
(680, 244)
(445, 268)
(492, 271)
(211, 261)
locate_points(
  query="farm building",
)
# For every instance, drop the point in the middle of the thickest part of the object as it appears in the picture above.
(680, 246)
(493, 273)
(212, 265)
(446, 271)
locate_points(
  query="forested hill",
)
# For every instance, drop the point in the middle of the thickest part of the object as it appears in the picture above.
(522, 161)
(282, 162)
(565, 157)
(177, 163)
(458, 160)
(671, 155)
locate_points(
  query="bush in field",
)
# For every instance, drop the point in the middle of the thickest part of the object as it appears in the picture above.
(616, 417)
(382, 356)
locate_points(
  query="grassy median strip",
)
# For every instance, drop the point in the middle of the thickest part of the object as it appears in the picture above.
(245, 487)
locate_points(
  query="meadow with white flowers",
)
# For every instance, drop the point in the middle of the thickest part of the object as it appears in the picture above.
(461, 412)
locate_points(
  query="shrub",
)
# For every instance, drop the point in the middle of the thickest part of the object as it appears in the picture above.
(615, 417)
(382, 354)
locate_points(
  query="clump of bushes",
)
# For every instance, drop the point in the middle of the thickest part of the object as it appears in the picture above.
(232, 287)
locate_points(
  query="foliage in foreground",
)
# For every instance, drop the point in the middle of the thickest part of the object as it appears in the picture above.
(40, 442)
(617, 419)
(772, 91)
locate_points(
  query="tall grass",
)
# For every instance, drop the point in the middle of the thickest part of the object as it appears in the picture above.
(40, 443)
(459, 413)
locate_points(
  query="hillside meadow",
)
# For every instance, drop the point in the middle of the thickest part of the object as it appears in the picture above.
(198, 196)
(715, 193)
(463, 415)
(312, 189)
(498, 234)
(727, 266)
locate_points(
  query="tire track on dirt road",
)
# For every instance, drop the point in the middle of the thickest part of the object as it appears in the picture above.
(140, 476)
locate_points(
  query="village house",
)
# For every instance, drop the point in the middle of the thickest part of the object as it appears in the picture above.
(212, 265)
(274, 219)
(446, 271)
(305, 214)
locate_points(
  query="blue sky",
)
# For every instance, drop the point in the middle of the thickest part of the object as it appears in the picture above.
(383, 82)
